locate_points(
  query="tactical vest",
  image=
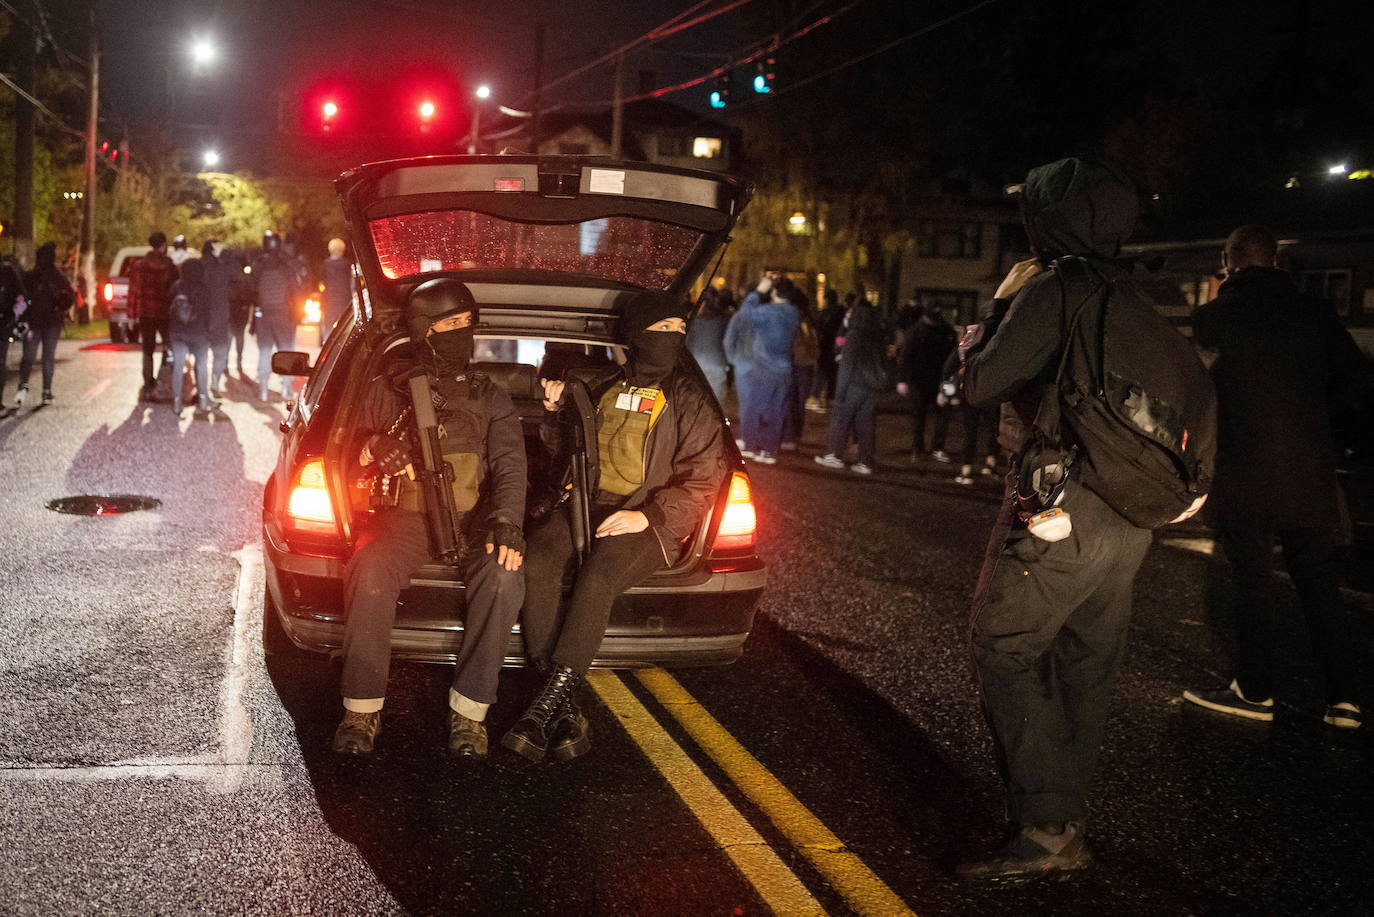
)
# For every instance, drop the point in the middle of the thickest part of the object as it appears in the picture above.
(461, 406)
(627, 414)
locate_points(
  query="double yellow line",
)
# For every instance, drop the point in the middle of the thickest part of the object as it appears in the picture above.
(777, 885)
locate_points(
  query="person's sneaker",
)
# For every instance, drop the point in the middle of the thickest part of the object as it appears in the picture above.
(789, 447)
(1230, 700)
(21, 396)
(1343, 715)
(861, 468)
(47, 396)
(739, 444)
(941, 455)
(357, 733)
(814, 404)
(466, 738)
(745, 453)
(963, 479)
(830, 461)
(766, 458)
(1032, 852)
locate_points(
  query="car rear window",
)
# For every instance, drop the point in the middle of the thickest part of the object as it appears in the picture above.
(630, 250)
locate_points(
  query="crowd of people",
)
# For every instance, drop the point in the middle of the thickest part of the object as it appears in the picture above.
(787, 358)
(203, 307)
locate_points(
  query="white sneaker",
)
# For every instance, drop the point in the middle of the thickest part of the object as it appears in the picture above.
(963, 479)
(21, 396)
(861, 468)
(745, 453)
(739, 444)
(829, 461)
(766, 458)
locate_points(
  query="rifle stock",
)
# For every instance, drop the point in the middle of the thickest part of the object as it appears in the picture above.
(435, 477)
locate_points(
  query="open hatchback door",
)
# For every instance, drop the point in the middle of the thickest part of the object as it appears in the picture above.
(554, 237)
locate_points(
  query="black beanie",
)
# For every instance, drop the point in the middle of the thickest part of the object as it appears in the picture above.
(646, 309)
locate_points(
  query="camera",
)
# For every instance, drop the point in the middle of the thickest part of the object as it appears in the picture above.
(18, 331)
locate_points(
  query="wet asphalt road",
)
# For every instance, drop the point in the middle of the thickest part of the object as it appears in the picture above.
(154, 763)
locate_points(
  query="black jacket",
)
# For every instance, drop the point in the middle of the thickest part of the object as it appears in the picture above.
(927, 345)
(505, 481)
(686, 451)
(1071, 207)
(1282, 361)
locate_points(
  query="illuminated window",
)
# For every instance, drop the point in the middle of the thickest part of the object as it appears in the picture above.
(797, 224)
(706, 147)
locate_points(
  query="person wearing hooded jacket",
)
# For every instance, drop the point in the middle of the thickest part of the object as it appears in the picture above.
(276, 278)
(188, 328)
(853, 414)
(1049, 618)
(219, 281)
(660, 461)
(758, 342)
(50, 296)
(489, 491)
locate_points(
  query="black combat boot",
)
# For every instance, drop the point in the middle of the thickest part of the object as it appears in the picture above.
(532, 733)
(572, 737)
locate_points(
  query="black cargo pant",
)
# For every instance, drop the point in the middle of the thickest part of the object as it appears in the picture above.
(150, 329)
(388, 552)
(1310, 556)
(1048, 632)
(613, 564)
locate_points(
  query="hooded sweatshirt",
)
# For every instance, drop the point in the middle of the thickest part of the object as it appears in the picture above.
(759, 336)
(1070, 207)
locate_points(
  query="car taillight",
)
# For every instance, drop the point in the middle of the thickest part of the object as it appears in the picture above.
(739, 523)
(107, 292)
(309, 507)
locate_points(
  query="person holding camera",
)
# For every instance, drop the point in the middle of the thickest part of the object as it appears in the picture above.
(483, 443)
(1053, 601)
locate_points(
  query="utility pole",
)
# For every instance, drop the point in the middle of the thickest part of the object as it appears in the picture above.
(538, 87)
(618, 109)
(24, 118)
(87, 268)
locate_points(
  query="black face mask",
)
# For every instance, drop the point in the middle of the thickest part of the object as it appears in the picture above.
(654, 355)
(450, 351)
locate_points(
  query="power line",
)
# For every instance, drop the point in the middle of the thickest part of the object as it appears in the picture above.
(43, 109)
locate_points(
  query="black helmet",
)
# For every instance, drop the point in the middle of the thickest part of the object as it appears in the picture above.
(178, 241)
(271, 241)
(436, 299)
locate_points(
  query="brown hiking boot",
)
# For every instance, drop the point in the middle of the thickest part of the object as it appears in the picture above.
(1033, 852)
(466, 738)
(357, 733)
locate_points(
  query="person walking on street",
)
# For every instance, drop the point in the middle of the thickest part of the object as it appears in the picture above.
(706, 341)
(179, 252)
(188, 327)
(241, 295)
(1052, 606)
(12, 303)
(1283, 359)
(276, 280)
(337, 276)
(925, 348)
(853, 415)
(219, 281)
(758, 342)
(659, 462)
(50, 298)
(150, 296)
(483, 443)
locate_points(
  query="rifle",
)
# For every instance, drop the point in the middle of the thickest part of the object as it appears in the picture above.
(435, 476)
(584, 456)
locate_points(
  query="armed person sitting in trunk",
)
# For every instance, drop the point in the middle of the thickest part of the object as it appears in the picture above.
(655, 459)
(480, 439)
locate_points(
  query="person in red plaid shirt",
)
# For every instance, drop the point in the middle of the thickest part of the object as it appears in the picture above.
(150, 298)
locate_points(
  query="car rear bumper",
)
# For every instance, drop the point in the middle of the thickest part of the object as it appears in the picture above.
(693, 619)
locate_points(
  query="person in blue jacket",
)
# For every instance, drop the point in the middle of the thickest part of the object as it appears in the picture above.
(758, 343)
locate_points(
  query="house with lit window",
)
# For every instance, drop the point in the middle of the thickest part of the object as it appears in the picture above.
(654, 131)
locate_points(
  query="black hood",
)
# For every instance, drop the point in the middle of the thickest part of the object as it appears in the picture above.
(46, 256)
(1077, 207)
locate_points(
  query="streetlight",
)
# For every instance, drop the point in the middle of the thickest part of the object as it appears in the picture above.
(482, 92)
(1338, 169)
(210, 158)
(203, 52)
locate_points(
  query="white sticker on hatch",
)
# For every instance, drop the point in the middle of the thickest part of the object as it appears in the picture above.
(428, 265)
(606, 181)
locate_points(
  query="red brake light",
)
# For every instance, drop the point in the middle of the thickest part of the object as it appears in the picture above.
(309, 507)
(739, 523)
(107, 291)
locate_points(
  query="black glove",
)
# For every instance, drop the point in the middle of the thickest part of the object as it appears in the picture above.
(391, 454)
(505, 534)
